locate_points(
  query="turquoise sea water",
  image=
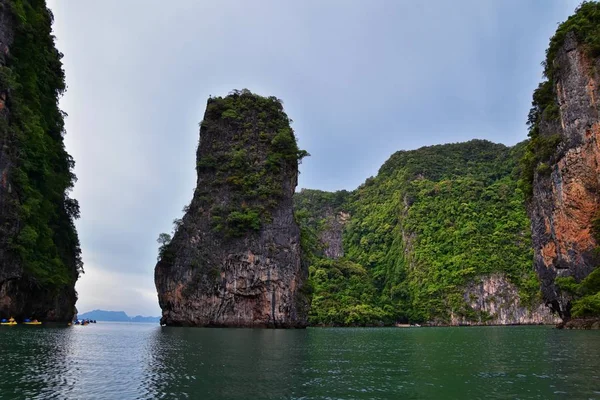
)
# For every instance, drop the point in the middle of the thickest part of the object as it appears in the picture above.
(145, 361)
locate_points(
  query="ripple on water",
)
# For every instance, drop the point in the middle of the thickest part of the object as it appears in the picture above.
(143, 361)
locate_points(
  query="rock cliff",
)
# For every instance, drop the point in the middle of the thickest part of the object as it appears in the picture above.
(440, 236)
(235, 259)
(9, 267)
(39, 250)
(325, 215)
(496, 301)
(564, 160)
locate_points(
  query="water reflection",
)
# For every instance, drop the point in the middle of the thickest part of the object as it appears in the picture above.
(227, 363)
(143, 361)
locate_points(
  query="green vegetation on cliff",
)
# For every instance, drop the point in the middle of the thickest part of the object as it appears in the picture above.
(541, 152)
(538, 157)
(429, 223)
(344, 294)
(585, 24)
(251, 166)
(235, 257)
(41, 174)
(586, 294)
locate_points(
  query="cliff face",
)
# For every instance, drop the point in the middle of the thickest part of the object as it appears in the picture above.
(39, 250)
(9, 267)
(234, 259)
(324, 214)
(439, 236)
(331, 235)
(566, 197)
(496, 301)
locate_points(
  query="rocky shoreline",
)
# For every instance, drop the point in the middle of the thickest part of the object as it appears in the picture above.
(580, 323)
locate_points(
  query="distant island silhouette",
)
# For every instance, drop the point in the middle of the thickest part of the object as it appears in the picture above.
(115, 316)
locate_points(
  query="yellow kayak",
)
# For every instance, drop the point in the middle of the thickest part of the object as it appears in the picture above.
(8, 323)
(32, 323)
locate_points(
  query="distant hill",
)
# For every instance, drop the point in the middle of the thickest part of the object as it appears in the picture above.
(139, 318)
(115, 316)
(416, 242)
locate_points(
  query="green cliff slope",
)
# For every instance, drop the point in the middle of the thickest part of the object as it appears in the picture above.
(39, 249)
(433, 222)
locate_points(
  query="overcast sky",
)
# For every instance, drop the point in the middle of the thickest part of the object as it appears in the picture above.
(360, 79)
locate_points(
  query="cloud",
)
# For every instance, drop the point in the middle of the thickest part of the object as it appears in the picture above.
(133, 293)
(361, 80)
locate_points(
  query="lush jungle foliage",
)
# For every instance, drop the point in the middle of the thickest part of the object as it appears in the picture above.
(42, 173)
(252, 165)
(585, 24)
(586, 294)
(431, 221)
(314, 209)
(343, 292)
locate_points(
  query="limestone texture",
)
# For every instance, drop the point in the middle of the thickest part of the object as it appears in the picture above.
(498, 299)
(235, 258)
(566, 200)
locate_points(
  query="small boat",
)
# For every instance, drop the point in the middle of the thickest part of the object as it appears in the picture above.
(29, 322)
(10, 321)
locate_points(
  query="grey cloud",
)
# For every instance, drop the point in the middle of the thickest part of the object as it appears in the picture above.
(361, 79)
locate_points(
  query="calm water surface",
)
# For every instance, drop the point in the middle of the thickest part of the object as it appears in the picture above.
(144, 361)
